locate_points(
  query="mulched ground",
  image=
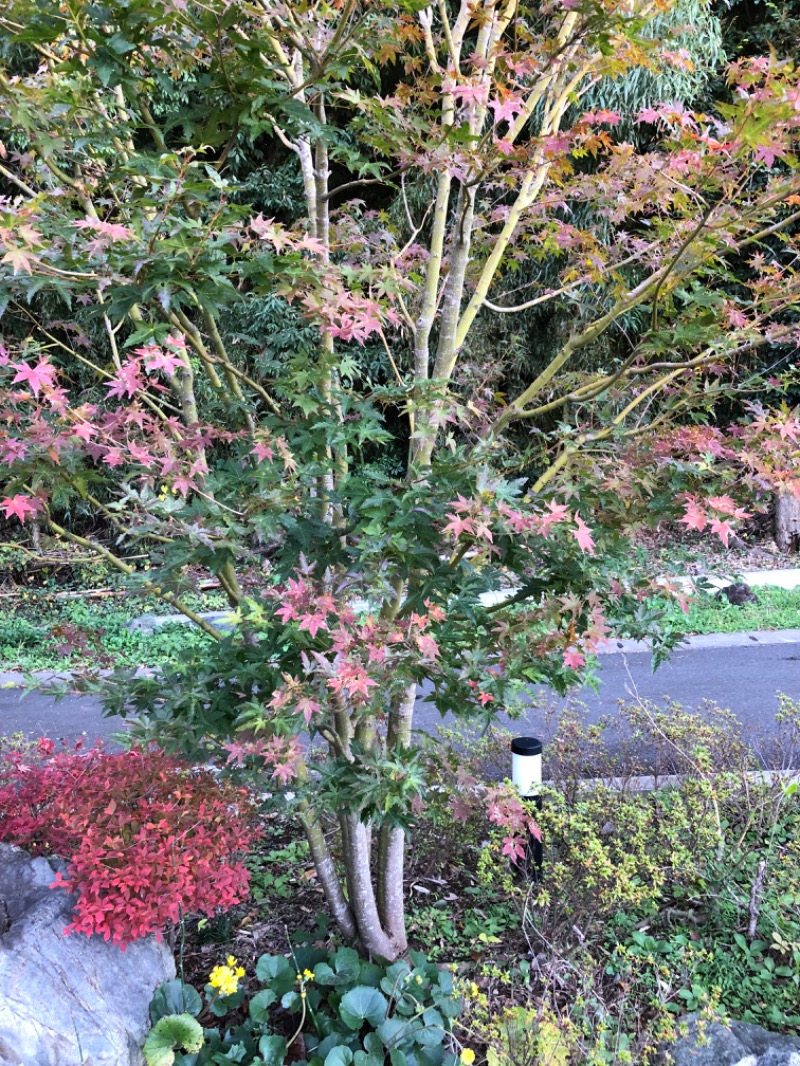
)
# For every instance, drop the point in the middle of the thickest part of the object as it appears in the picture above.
(698, 553)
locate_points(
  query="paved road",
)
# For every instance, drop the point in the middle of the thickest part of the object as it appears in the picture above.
(740, 672)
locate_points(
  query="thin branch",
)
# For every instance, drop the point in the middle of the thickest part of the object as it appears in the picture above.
(17, 181)
(149, 586)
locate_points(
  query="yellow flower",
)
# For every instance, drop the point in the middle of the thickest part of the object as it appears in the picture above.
(226, 978)
(467, 1056)
(308, 974)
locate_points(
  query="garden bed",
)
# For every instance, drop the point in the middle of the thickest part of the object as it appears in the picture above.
(650, 905)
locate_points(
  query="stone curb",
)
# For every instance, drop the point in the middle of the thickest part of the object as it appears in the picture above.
(653, 782)
(702, 641)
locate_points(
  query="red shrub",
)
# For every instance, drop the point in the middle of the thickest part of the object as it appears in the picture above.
(147, 837)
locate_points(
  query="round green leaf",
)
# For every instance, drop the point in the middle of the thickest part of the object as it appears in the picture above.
(363, 1004)
(175, 1030)
(432, 1031)
(276, 973)
(174, 997)
(272, 1050)
(339, 1056)
(260, 1003)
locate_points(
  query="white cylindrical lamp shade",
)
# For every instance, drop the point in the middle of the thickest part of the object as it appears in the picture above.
(526, 765)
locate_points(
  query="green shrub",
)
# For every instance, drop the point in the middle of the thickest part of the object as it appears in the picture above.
(650, 904)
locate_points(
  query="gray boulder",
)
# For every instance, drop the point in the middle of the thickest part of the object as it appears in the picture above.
(149, 623)
(735, 1044)
(67, 1000)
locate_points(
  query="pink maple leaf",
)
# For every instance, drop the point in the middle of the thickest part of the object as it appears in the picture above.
(458, 525)
(360, 684)
(583, 535)
(157, 359)
(312, 623)
(722, 529)
(468, 93)
(788, 430)
(695, 517)
(19, 506)
(534, 830)
(141, 455)
(126, 382)
(114, 231)
(513, 848)
(284, 772)
(506, 110)
(39, 377)
(308, 708)
(768, 153)
(723, 504)
(85, 431)
(574, 659)
(648, 114)
(428, 646)
(183, 484)
(736, 318)
(557, 512)
(12, 449)
(263, 451)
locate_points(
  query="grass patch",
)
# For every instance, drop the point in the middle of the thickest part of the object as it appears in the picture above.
(776, 609)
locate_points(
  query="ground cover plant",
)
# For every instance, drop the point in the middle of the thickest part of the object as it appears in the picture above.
(326, 1006)
(40, 631)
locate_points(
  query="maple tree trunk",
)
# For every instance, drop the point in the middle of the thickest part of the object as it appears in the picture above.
(391, 851)
(786, 519)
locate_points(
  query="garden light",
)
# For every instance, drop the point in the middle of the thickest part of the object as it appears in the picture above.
(526, 776)
(526, 765)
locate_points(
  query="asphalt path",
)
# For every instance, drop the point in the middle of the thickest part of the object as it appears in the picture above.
(742, 672)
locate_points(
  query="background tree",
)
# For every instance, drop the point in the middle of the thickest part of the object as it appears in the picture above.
(274, 458)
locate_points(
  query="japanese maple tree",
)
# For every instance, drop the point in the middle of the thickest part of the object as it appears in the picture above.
(353, 516)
